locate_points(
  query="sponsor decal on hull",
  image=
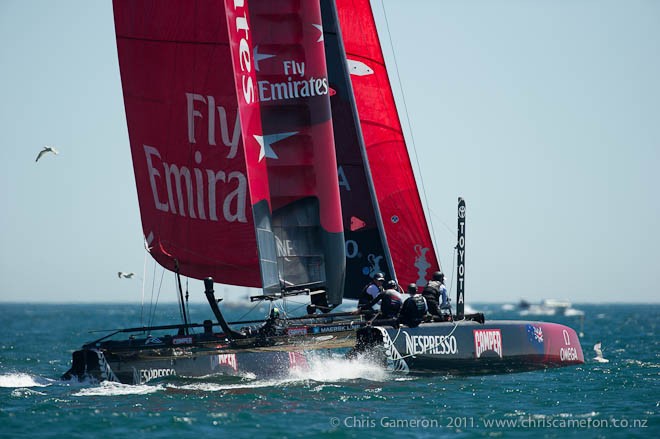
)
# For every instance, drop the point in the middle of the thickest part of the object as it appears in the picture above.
(153, 340)
(297, 361)
(146, 375)
(430, 344)
(568, 352)
(487, 340)
(224, 360)
(535, 337)
(182, 340)
(326, 329)
(301, 330)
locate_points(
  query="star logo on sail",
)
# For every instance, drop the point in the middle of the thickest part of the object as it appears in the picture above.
(259, 57)
(267, 140)
(320, 28)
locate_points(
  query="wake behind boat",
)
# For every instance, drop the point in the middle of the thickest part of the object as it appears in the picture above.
(268, 153)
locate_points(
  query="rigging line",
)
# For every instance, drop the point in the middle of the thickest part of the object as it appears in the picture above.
(188, 303)
(451, 231)
(153, 287)
(453, 267)
(249, 311)
(177, 286)
(412, 137)
(160, 287)
(144, 281)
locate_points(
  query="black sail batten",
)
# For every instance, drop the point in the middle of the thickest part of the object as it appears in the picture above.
(460, 251)
(366, 247)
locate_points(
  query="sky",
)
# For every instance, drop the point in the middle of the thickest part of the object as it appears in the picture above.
(542, 115)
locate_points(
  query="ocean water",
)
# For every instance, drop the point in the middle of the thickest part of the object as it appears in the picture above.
(336, 397)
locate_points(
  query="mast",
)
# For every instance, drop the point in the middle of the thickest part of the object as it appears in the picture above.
(460, 247)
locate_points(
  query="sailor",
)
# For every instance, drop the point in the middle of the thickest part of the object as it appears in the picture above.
(390, 301)
(414, 309)
(370, 292)
(435, 293)
(272, 325)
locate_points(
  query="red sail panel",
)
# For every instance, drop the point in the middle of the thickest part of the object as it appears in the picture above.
(401, 209)
(293, 96)
(283, 92)
(241, 36)
(241, 41)
(181, 109)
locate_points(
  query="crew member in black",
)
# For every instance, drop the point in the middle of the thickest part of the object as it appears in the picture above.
(370, 292)
(390, 301)
(272, 326)
(414, 309)
(431, 292)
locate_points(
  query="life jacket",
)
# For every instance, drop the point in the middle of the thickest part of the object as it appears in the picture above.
(413, 310)
(390, 303)
(432, 290)
(365, 297)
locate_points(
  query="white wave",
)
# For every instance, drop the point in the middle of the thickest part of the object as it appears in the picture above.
(25, 393)
(108, 388)
(216, 387)
(23, 380)
(641, 363)
(324, 368)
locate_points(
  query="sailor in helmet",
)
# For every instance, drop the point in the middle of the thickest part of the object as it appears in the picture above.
(435, 293)
(390, 301)
(414, 309)
(272, 325)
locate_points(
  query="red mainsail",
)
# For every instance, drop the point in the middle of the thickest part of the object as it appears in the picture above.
(405, 226)
(184, 132)
(231, 136)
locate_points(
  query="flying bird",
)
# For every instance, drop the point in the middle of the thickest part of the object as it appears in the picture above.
(599, 354)
(46, 149)
(125, 275)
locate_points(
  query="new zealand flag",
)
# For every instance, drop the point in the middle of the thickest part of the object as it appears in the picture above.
(535, 337)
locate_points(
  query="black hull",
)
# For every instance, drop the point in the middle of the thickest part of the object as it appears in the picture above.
(462, 348)
(137, 361)
(470, 348)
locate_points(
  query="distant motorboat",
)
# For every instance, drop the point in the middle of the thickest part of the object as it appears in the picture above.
(549, 307)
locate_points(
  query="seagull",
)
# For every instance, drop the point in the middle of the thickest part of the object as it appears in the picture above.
(46, 150)
(125, 275)
(599, 354)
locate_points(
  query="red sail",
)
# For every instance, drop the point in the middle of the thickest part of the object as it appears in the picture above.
(181, 110)
(283, 93)
(406, 231)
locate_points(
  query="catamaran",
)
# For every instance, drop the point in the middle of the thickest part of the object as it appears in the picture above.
(268, 153)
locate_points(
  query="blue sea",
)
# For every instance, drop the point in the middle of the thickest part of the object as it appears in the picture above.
(336, 397)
